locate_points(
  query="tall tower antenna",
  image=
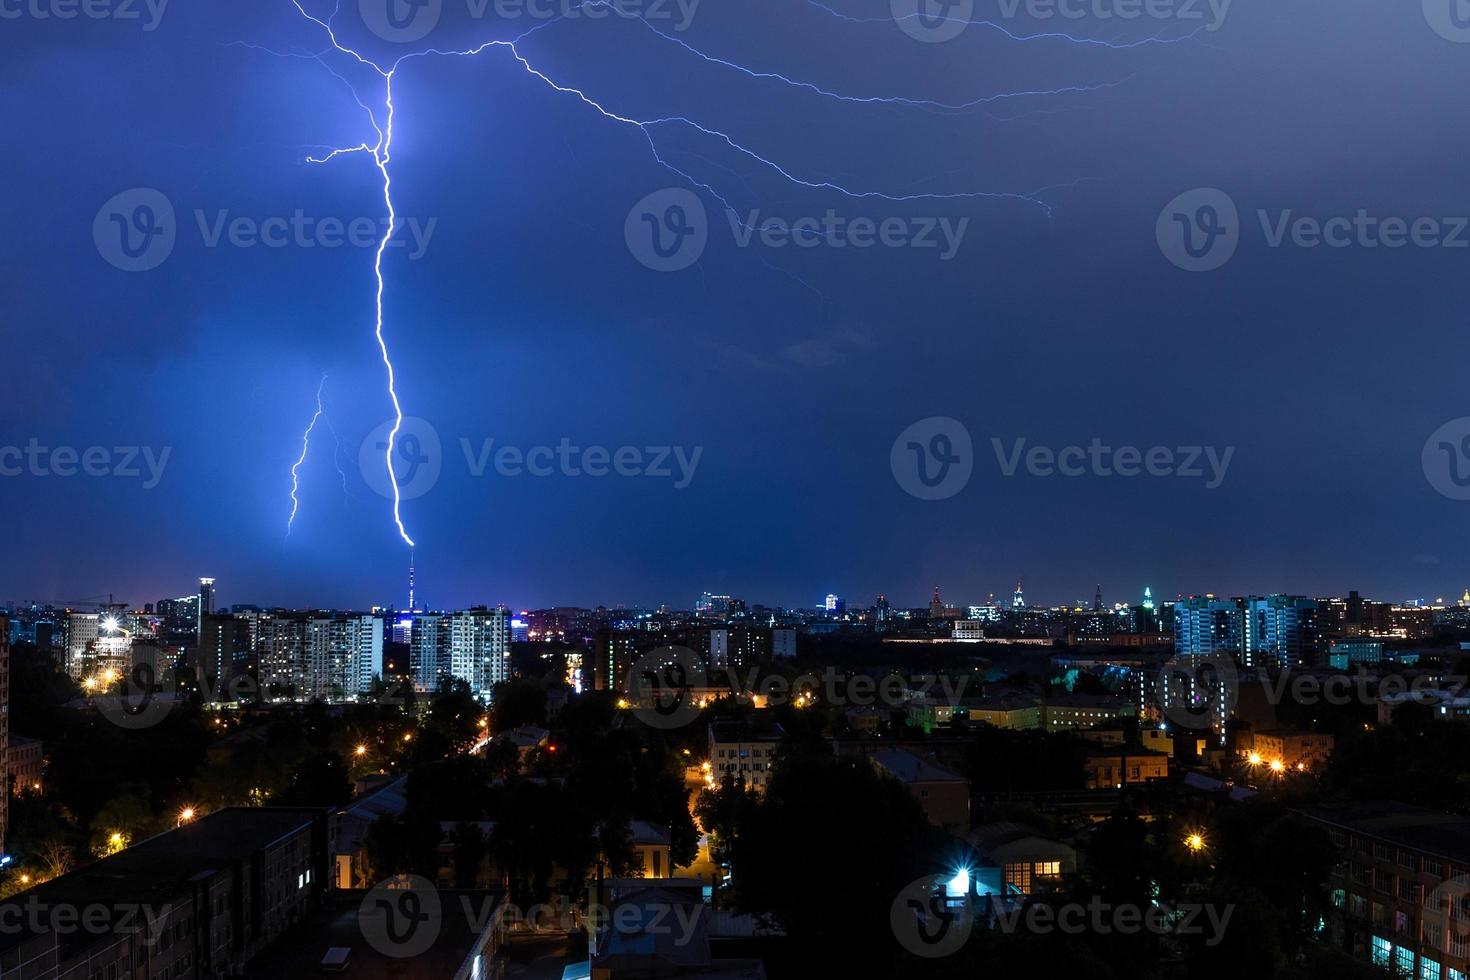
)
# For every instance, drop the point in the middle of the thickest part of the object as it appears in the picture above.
(411, 606)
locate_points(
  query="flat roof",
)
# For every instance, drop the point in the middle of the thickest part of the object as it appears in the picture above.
(908, 767)
(299, 951)
(746, 731)
(1418, 828)
(155, 871)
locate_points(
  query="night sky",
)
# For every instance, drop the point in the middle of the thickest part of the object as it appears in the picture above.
(528, 319)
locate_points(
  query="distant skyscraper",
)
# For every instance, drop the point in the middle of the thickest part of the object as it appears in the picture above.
(428, 651)
(1205, 625)
(1283, 628)
(834, 604)
(411, 606)
(881, 609)
(1018, 598)
(1269, 631)
(479, 648)
(1097, 599)
(936, 605)
(82, 631)
(206, 602)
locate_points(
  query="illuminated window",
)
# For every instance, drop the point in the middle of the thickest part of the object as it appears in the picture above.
(1051, 868)
(1018, 876)
(1381, 949)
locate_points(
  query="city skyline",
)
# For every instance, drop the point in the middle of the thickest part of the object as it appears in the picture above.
(951, 599)
(785, 375)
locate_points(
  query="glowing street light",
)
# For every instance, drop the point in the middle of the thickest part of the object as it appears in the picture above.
(360, 751)
(185, 815)
(1277, 766)
(1195, 842)
(1254, 758)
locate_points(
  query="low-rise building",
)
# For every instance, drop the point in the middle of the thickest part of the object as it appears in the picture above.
(745, 750)
(1443, 705)
(943, 793)
(1291, 749)
(1399, 887)
(1015, 860)
(25, 763)
(198, 901)
(1012, 711)
(1111, 768)
(653, 847)
(1078, 712)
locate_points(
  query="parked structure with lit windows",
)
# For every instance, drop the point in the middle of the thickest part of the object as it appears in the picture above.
(1399, 886)
(744, 749)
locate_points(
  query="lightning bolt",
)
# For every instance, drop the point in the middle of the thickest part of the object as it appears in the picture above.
(380, 149)
(296, 467)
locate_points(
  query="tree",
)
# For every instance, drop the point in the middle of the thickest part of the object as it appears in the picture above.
(470, 849)
(834, 821)
(516, 703)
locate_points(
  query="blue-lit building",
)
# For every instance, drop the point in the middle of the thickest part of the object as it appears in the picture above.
(1205, 625)
(1269, 631)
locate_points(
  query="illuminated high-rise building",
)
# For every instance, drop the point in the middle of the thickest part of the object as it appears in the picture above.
(479, 648)
(82, 631)
(206, 602)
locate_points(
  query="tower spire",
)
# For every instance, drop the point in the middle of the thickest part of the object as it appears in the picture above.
(411, 606)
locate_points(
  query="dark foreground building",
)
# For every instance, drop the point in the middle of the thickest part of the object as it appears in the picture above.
(1401, 890)
(195, 902)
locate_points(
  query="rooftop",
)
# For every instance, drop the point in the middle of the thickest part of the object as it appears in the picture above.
(746, 731)
(154, 871)
(1431, 831)
(907, 767)
(300, 950)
